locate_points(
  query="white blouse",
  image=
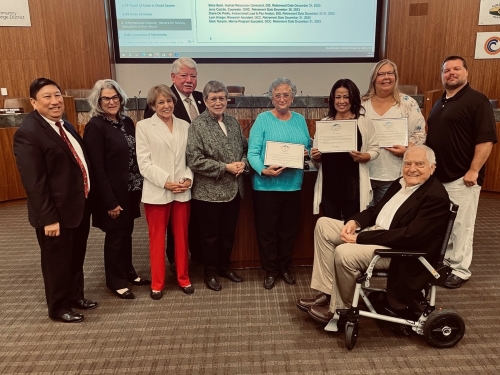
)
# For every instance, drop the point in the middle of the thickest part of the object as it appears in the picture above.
(388, 167)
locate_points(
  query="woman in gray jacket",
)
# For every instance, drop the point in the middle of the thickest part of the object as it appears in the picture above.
(217, 154)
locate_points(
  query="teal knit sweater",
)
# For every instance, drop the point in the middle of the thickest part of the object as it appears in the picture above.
(268, 128)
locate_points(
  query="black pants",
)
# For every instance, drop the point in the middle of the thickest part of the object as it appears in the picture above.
(217, 225)
(277, 216)
(194, 240)
(339, 209)
(62, 260)
(118, 257)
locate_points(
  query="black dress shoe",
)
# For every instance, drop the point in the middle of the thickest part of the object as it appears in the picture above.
(269, 282)
(320, 313)
(188, 289)
(84, 304)
(231, 275)
(141, 282)
(213, 283)
(156, 295)
(71, 317)
(125, 295)
(288, 278)
(321, 299)
(454, 282)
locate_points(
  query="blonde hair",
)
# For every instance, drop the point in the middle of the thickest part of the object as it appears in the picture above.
(373, 77)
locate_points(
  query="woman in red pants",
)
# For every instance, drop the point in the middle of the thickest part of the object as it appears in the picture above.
(161, 154)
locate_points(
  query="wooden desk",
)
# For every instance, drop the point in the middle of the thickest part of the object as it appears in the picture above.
(245, 251)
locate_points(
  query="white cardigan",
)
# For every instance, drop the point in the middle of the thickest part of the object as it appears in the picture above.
(158, 162)
(369, 145)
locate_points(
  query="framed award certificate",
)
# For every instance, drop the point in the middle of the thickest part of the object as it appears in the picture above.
(391, 131)
(337, 135)
(290, 155)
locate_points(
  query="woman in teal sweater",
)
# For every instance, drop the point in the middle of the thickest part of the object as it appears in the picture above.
(277, 189)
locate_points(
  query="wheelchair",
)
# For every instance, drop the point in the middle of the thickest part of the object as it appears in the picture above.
(440, 328)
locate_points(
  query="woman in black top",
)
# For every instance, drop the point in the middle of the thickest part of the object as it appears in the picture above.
(116, 182)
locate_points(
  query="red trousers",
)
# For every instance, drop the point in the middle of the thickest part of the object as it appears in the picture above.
(157, 216)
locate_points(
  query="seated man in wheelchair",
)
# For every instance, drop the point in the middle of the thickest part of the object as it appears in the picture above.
(412, 215)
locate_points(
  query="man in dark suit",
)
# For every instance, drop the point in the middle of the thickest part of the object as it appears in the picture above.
(53, 165)
(411, 216)
(189, 105)
(184, 76)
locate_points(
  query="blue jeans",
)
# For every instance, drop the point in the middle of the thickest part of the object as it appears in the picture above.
(379, 188)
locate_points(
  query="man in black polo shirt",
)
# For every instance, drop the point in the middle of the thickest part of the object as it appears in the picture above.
(461, 131)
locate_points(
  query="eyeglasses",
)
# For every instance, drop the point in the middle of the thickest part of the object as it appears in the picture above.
(383, 74)
(214, 100)
(279, 96)
(106, 100)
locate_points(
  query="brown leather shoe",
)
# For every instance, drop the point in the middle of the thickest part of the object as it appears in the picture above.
(320, 313)
(320, 300)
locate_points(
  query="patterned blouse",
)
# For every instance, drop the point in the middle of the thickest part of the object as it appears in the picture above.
(134, 177)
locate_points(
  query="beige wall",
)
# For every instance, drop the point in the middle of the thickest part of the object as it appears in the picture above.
(311, 79)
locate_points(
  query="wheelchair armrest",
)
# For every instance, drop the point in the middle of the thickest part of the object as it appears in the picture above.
(389, 253)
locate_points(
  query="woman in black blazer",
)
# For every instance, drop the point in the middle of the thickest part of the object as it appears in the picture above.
(110, 142)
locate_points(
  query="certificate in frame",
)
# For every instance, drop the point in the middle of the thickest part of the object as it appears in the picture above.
(391, 131)
(289, 155)
(337, 135)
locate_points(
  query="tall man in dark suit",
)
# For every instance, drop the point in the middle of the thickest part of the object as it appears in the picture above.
(189, 105)
(53, 165)
(411, 216)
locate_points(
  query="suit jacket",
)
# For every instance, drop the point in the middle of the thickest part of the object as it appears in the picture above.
(108, 152)
(418, 225)
(179, 109)
(160, 161)
(50, 173)
(208, 151)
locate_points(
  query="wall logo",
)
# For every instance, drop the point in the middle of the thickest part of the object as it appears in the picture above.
(492, 45)
(495, 11)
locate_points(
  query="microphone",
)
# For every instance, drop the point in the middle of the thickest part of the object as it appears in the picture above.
(137, 102)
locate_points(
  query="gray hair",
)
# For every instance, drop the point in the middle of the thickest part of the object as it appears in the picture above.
(213, 86)
(281, 81)
(94, 98)
(429, 153)
(157, 90)
(183, 61)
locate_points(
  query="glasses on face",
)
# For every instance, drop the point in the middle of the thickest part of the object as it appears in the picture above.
(383, 74)
(279, 96)
(215, 99)
(106, 99)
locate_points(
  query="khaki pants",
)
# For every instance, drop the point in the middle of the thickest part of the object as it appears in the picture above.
(337, 265)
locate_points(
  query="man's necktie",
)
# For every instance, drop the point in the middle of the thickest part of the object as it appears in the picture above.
(78, 160)
(192, 110)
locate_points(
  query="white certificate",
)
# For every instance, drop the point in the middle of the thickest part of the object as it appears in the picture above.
(391, 131)
(290, 155)
(337, 135)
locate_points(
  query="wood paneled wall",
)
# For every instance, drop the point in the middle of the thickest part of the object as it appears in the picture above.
(421, 33)
(67, 42)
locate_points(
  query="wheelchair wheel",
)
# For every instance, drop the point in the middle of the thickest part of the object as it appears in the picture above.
(444, 328)
(351, 335)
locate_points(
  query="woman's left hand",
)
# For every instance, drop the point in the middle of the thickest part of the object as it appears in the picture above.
(115, 212)
(360, 157)
(397, 150)
(187, 183)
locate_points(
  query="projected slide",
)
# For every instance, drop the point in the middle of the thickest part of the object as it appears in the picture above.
(245, 29)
